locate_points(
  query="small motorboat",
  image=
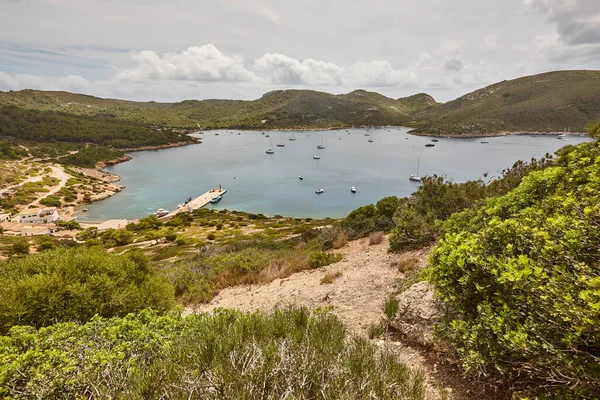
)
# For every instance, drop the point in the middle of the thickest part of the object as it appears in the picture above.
(301, 177)
(319, 191)
(216, 198)
(485, 141)
(316, 157)
(216, 134)
(161, 212)
(435, 140)
(370, 140)
(270, 151)
(430, 145)
(353, 189)
(85, 210)
(267, 135)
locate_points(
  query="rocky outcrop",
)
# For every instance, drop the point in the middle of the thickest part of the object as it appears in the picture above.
(418, 311)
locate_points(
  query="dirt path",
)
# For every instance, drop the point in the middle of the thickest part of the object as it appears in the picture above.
(357, 296)
(58, 173)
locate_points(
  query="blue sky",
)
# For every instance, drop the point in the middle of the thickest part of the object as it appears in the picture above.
(171, 51)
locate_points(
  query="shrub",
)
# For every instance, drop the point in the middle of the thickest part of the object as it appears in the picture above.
(376, 238)
(330, 278)
(211, 236)
(180, 242)
(407, 264)
(75, 284)
(47, 244)
(390, 306)
(321, 259)
(521, 276)
(225, 355)
(51, 201)
(219, 227)
(170, 236)
(375, 331)
(20, 247)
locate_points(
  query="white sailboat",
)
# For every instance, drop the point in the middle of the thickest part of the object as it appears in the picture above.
(317, 156)
(415, 178)
(370, 138)
(321, 145)
(281, 144)
(270, 149)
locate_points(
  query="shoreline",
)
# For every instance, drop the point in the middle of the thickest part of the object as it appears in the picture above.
(489, 134)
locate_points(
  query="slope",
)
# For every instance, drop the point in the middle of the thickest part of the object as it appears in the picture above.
(549, 102)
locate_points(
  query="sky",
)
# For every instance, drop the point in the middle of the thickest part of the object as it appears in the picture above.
(239, 49)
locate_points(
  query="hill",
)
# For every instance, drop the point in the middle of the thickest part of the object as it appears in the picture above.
(548, 102)
(281, 108)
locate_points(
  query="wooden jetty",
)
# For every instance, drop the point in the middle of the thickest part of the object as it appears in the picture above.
(196, 203)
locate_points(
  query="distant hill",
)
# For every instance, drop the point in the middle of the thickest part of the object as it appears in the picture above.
(548, 102)
(281, 108)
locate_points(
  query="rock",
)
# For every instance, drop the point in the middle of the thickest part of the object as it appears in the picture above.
(418, 311)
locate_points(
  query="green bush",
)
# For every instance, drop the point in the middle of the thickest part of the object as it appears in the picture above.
(51, 201)
(170, 236)
(226, 355)
(522, 277)
(211, 236)
(75, 284)
(319, 259)
(180, 242)
(21, 246)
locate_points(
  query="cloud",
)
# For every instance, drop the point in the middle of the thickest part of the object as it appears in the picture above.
(453, 63)
(577, 33)
(282, 69)
(204, 64)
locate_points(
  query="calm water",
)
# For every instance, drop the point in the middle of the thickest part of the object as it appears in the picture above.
(269, 184)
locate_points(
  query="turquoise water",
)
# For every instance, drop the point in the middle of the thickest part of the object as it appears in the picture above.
(269, 184)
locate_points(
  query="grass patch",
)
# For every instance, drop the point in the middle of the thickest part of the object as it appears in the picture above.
(376, 238)
(330, 278)
(390, 306)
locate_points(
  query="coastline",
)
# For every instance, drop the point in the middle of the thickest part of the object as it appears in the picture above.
(489, 134)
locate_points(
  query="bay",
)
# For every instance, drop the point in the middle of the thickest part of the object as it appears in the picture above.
(261, 183)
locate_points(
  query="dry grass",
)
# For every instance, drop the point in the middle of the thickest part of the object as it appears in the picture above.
(376, 238)
(329, 278)
(406, 265)
(341, 239)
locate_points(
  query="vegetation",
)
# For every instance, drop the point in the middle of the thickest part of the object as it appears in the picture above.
(76, 284)
(417, 218)
(283, 108)
(549, 102)
(521, 274)
(226, 355)
(330, 278)
(51, 126)
(546, 102)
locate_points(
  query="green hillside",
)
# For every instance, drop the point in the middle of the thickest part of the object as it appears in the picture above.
(548, 102)
(281, 108)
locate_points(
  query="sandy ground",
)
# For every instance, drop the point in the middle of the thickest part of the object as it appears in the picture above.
(356, 297)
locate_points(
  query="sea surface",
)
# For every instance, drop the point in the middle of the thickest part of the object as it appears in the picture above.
(269, 184)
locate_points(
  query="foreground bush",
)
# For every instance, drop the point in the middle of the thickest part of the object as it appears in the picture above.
(226, 355)
(75, 284)
(418, 218)
(522, 275)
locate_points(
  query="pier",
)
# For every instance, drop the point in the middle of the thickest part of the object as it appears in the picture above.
(196, 203)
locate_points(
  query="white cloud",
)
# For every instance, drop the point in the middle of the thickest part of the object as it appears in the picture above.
(453, 63)
(279, 68)
(205, 64)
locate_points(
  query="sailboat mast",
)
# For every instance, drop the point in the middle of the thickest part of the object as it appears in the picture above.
(418, 160)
